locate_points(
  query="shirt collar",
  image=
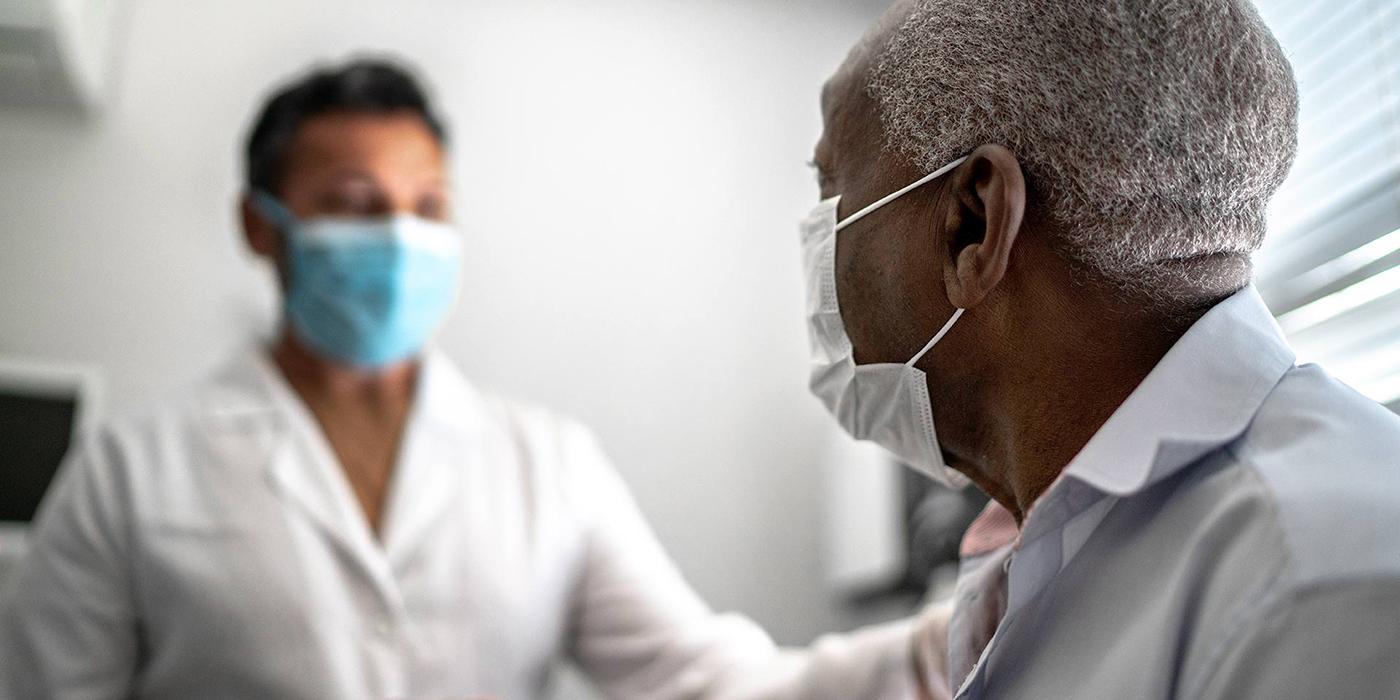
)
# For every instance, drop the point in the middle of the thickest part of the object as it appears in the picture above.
(1203, 394)
(446, 401)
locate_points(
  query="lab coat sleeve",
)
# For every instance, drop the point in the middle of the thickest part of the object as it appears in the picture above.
(1337, 640)
(640, 632)
(67, 626)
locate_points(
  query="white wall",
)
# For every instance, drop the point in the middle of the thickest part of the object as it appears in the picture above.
(630, 176)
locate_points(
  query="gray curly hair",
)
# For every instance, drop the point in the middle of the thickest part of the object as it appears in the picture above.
(1152, 132)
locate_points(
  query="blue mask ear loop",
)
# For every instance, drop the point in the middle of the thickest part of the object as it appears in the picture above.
(281, 217)
(273, 208)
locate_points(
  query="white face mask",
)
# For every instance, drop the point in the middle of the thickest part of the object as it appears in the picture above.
(887, 404)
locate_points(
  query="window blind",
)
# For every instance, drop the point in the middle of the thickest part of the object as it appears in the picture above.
(1330, 266)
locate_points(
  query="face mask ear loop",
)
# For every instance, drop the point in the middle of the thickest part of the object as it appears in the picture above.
(896, 195)
(275, 211)
(941, 332)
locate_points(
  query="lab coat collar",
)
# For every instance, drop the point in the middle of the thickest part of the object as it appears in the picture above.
(305, 472)
(1203, 394)
(442, 438)
(443, 427)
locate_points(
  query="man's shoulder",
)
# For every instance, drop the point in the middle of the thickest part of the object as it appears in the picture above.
(462, 405)
(521, 443)
(1311, 416)
(1327, 460)
(1307, 497)
(1300, 528)
(239, 416)
(245, 395)
(232, 393)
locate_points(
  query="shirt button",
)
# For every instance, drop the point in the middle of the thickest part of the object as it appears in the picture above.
(382, 628)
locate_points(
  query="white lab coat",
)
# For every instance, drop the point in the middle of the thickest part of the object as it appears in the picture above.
(214, 550)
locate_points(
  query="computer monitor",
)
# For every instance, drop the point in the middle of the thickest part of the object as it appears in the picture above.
(43, 407)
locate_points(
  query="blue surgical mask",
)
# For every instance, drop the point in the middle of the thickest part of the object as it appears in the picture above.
(366, 292)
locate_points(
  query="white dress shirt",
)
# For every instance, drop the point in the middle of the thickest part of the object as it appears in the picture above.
(214, 549)
(1232, 532)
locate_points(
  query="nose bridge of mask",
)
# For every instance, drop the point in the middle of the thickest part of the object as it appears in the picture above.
(413, 231)
(402, 233)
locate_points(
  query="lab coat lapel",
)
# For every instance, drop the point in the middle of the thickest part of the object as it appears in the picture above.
(312, 496)
(441, 440)
(306, 476)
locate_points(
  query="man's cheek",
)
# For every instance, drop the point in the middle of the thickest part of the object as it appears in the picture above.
(854, 293)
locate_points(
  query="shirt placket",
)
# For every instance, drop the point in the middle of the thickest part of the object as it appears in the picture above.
(1036, 557)
(384, 622)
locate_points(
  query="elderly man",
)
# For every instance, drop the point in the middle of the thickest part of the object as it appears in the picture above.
(1179, 510)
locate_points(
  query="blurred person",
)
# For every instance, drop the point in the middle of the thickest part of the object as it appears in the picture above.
(1180, 510)
(342, 514)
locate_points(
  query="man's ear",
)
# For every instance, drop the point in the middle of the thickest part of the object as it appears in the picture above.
(260, 234)
(984, 219)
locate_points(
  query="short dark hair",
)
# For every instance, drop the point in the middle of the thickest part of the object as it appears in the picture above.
(364, 85)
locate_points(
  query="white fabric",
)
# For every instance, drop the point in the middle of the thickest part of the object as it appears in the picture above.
(414, 231)
(215, 550)
(1232, 531)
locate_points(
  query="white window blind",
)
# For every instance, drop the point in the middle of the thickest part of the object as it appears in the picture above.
(1330, 267)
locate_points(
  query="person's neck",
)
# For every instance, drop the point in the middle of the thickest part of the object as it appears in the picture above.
(324, 383)
(1055, 387)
